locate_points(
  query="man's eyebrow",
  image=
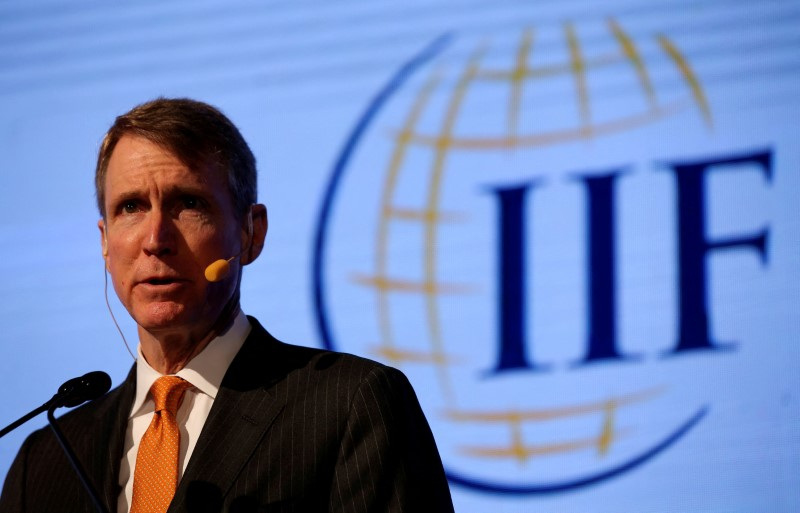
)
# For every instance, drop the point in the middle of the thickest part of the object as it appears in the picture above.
(185, 189)
(168, 192)
(130, 192)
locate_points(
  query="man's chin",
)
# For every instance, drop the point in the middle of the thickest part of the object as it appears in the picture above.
(160, 316)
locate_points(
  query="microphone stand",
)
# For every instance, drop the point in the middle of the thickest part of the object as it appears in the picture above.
(73, 459)
(72, 393)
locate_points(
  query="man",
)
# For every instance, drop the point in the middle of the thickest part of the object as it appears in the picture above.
(216, 414)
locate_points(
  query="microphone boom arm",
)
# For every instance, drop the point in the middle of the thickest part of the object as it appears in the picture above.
(22, 420)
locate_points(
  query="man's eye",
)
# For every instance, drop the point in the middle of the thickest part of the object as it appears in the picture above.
(192, 203)
(129, 207)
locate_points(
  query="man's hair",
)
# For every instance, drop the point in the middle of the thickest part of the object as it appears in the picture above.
(198, 134)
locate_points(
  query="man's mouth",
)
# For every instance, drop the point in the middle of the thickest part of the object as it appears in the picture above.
(160, 281)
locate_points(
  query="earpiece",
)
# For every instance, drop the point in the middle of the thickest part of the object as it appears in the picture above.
(219, 269)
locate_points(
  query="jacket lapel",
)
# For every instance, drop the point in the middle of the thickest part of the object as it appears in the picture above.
(106, 445)
(244, 409)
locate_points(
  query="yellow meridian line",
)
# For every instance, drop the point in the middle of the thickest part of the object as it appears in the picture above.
(548, 414)
(689, 76)
(387, 194)
(517, 78)
(434, 192)
(606, 437)
(564, 136)
(517, 445)
(579, 71)
(629, 48)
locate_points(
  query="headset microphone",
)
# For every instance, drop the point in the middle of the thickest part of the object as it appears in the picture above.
(218, 269)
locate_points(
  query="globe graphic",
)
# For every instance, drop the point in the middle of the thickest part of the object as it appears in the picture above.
(406, 249)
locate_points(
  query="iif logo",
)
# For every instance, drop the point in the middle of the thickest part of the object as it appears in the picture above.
(521, 225)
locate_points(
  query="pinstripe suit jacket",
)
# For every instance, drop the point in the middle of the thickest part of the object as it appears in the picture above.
(291, 429)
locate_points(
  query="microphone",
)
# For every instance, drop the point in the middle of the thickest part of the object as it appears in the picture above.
(219, 269)
(72, 393)
(88, 387)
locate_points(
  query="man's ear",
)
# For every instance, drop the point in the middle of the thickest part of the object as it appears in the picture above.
(255, 230)
(103, 239)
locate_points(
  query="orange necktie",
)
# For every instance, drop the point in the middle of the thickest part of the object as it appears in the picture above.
(156, 476)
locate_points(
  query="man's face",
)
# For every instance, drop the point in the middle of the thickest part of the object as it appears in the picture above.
(164, 224)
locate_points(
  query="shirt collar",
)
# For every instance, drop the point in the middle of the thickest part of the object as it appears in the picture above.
(205, 371)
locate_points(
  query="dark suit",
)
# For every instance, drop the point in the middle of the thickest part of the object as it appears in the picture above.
(291, 429)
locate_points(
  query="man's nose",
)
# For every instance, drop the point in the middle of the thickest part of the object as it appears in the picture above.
(160, 236)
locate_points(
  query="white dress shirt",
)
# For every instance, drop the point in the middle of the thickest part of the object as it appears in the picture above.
(205, 372)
